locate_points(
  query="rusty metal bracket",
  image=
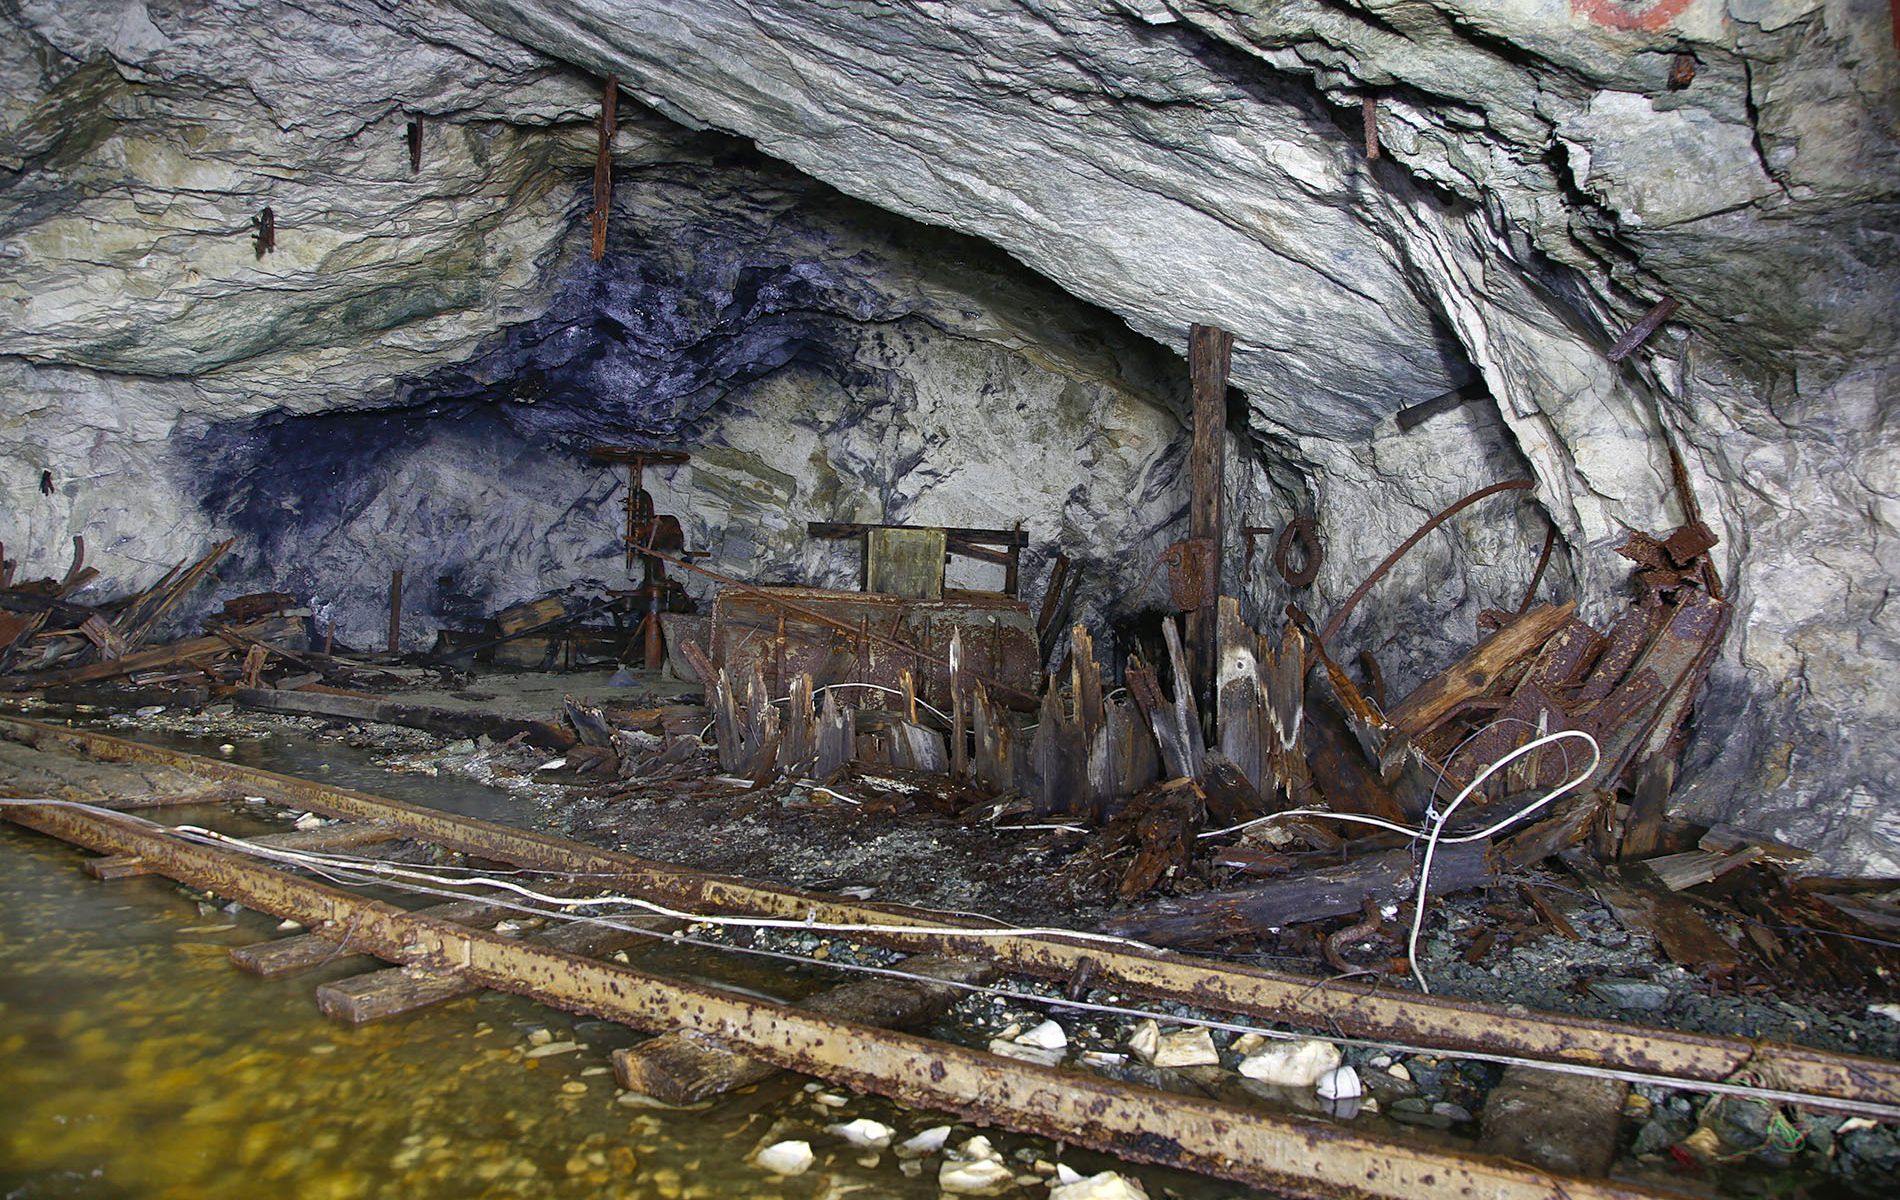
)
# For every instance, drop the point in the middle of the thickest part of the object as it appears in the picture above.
(1304, 533)
(1191, 572)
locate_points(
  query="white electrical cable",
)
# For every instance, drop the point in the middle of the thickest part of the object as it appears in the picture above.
(1434, 835)
(366, 875)
(809, 924)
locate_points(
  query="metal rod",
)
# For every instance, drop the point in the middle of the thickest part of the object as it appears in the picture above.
(1359, 593)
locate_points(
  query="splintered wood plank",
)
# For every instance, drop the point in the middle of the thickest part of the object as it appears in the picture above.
(1645, 906)
(1239, 719)
(1474, 674)
(379, 995)
(682, 1068)
(995, 767)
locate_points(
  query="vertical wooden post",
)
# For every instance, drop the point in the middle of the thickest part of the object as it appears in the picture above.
(1210, 356)
(604, 165)
(395, 611)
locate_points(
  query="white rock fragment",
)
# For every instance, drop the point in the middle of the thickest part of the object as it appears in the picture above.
(864, 1132)
(549, 1049)
(309, 821)
(1106, 1186)
(1889, 1011)
(1247, 1043)
(984, 1177)
(1340, 1083)
(976, 1149)
(1187, 1048)
(1291, 1064)
(1145, 1040)
(928, 1142)
(1398, 1071)
(1046, 1036)
(785, 1158)
(1017, 1050)
(1067, 1174)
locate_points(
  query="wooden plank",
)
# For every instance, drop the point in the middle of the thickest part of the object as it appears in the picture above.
(116, 866)
(1389, 877)
(904, 562)
(1475, 673)
(1644, 906)
(684, 1068)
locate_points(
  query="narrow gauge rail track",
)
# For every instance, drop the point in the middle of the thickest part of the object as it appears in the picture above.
(1290, 1153)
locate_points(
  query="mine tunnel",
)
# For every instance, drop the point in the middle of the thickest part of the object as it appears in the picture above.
(1071, 599)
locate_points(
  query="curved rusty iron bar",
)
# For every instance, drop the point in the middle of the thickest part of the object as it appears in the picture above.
(1359, 593)
(1537, 575)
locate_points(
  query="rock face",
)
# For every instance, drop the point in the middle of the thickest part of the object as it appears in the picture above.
(1540, 184)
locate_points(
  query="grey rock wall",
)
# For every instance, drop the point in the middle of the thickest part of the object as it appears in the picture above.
(1161, 161)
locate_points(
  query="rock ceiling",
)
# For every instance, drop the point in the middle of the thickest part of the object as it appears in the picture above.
(1540, 185)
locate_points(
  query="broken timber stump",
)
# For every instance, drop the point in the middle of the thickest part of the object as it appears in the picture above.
(681, 1068)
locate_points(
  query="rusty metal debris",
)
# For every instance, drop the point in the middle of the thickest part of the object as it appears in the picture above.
(1338, 620)
(1301, 532)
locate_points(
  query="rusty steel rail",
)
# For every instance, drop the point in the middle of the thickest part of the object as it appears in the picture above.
(1296, 1155)
(1443, 1023)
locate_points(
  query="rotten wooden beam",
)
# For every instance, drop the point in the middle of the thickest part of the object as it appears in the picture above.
(604, 165)
(1210, 358)
(1390, 877)
(395, 611)
(447, 722)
